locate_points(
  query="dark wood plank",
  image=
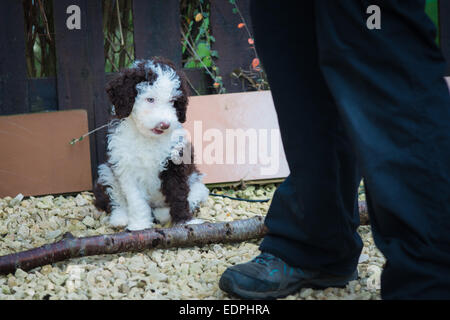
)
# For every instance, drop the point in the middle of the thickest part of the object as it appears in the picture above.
(81, 69)
(157, 29)
(231, 43)
(42, 94)
(13, 72)
(444, 30)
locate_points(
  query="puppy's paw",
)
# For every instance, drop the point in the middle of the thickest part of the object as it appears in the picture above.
(162, 215)
(119, 218)
(138, 227)
(141, 224)
(195, 221)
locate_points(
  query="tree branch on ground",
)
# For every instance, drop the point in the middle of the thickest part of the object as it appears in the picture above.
(133, 241)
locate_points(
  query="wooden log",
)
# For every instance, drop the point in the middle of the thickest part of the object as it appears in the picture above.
(157, 238)
(363, 213)
(180, 236)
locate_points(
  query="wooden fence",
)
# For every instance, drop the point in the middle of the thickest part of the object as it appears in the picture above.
(81, 78)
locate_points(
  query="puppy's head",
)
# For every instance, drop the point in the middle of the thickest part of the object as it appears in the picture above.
(153, 94)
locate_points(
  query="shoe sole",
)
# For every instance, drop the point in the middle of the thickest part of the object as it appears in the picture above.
(228, 285)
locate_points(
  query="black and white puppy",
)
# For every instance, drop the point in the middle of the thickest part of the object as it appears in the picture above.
(144, 177)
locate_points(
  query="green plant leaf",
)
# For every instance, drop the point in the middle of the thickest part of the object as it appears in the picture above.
(203, 50)
(190, 64)
(207, 61)
(214, 53)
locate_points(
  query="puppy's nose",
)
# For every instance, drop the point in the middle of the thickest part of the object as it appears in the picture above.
(164, 125)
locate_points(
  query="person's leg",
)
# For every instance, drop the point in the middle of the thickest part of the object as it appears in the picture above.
(389, 88)
(312, 221)
(313, 217)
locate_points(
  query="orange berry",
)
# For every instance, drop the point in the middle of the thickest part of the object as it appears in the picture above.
(255, 63)
(216, 85)
(241, 25)
(198, 17)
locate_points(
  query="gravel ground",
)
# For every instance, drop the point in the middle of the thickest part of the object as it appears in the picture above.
(187, 273)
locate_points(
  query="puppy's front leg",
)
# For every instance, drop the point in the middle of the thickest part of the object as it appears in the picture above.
(139, 212)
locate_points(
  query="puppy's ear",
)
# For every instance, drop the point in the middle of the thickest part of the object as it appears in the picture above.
(181, 102)
(122, 90)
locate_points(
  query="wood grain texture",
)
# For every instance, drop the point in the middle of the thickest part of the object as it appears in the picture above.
(13, 72)
(231, 43)
(37, 158)
(81, 69)
(42, 94)
(157, 29)
(209, 118)
(180, 236)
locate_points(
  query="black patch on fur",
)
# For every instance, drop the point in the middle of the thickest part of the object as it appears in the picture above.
(102, 200)
(122, 90)
(175, 187)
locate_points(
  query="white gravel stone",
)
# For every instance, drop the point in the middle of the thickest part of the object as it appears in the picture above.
(177, 273)
(89, 221)
(306, 293)
(363, 258)
(53, 234)
(16, 200)
(20, 274)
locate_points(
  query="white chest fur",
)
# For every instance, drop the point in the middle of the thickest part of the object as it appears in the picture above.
(139, 159)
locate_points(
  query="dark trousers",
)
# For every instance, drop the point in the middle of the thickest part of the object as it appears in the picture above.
(352, 103)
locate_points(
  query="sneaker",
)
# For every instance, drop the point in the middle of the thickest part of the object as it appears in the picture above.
(269, 277)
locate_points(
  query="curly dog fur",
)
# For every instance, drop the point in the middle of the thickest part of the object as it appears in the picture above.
(148, 174)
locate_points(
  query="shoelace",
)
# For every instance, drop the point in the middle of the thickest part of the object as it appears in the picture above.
(265, 258)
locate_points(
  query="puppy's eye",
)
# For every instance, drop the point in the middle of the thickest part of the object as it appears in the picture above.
(151, 100)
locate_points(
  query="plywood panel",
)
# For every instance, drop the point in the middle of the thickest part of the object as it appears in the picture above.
(36, 157)
(209, 118)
